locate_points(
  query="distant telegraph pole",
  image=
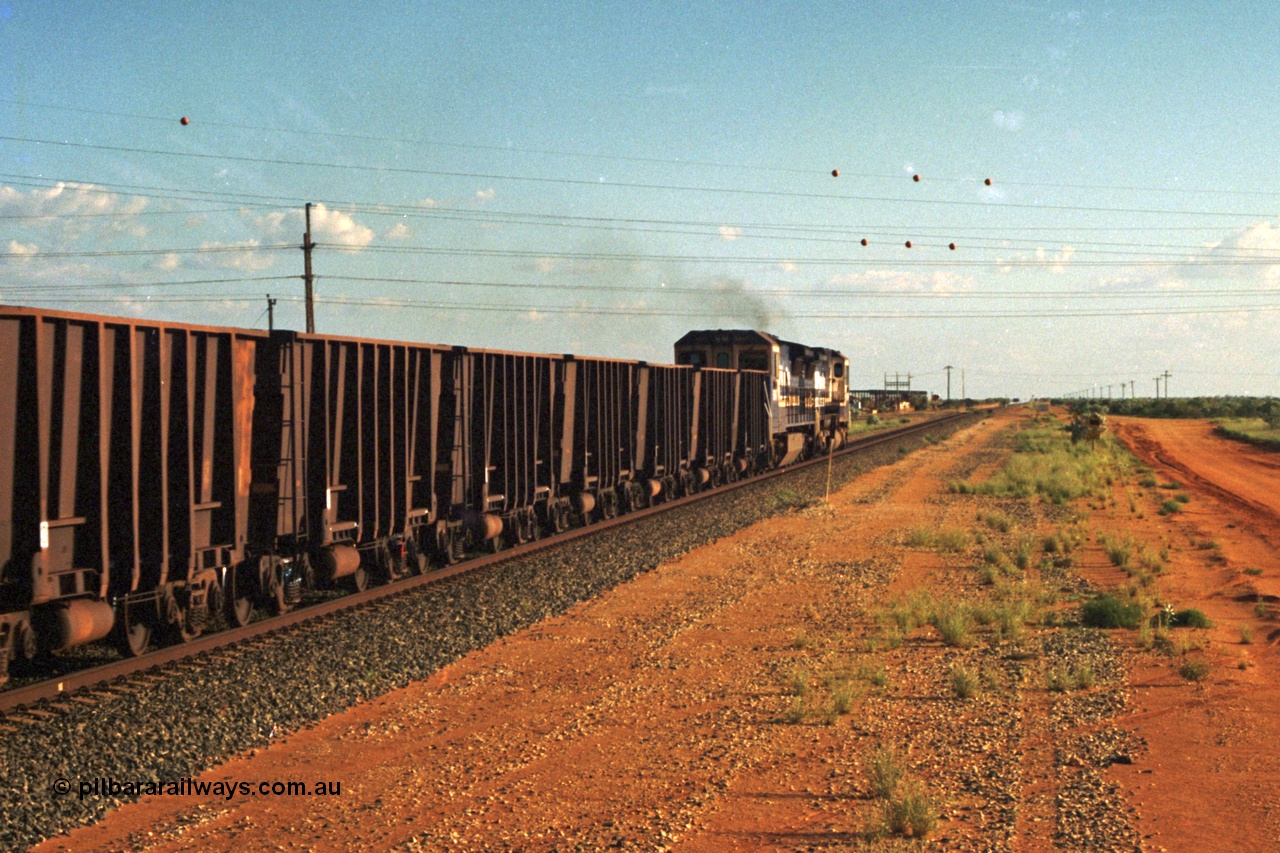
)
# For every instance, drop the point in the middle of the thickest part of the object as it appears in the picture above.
(1166, 376)
(1157, 387)
(271, 313)
(307, 277)
(948, 369)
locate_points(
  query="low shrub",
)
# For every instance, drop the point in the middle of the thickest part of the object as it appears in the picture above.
(951, 539)
(1194, 670)
(1107, 611)
(842, 700)
(798, 682)
(963, 682)
(1190, 618)
(954, 622)
(886, 772)
(913, 813)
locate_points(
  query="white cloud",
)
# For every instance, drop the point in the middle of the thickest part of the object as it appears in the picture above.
(1055, 262)
(273, 224)
(483, 196)
(327, 226)
(1241, 256)
(427, 203)
(21, 250)
(729, 232)
(906, 281)
(1010, 121)
(69, 211)
(399, 231)
(241, 255)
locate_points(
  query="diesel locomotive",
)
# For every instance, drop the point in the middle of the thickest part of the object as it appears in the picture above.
(156, 476)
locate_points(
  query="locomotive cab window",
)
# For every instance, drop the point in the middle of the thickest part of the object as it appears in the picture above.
(722, 359)
(838, 370)
(696, 358)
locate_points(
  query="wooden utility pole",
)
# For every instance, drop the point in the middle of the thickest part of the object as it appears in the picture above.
(948, 369)
(1166, 376)
(307, 277)
(271, 313)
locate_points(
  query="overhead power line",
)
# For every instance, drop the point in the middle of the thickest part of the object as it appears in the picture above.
(740, 191)
(622, 158)
(818, 293)
(951, 261)
(641, 311)
(970, 236)
(122, 253)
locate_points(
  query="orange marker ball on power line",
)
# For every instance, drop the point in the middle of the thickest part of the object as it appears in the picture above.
(908, 244)
(987, 182)
(864, 241)
(835, 173)
(952, 247)
(184, 121)
(915, 178)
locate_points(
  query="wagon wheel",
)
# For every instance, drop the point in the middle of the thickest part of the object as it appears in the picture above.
(238, 596)
(272, 569)
(359, 579)
(446, 550)
(414, 560)
(134, 634)
(180, 630)
(519, 530)
(560, 517)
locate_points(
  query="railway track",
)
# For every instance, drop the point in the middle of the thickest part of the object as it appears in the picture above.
(31, 702)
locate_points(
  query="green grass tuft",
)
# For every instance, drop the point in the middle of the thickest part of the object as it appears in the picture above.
(1107, 611)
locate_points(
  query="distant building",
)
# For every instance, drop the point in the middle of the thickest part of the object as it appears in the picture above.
(889, 400)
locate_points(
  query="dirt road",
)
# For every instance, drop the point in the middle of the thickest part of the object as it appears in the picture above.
(1238, 474)
(1214, 779)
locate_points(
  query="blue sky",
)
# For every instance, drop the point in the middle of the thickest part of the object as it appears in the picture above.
(600, 178)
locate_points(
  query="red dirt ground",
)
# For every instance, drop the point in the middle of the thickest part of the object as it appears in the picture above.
(1214, 783)
(652, 717)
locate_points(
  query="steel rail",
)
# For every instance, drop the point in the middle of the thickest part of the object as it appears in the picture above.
(18, 698)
